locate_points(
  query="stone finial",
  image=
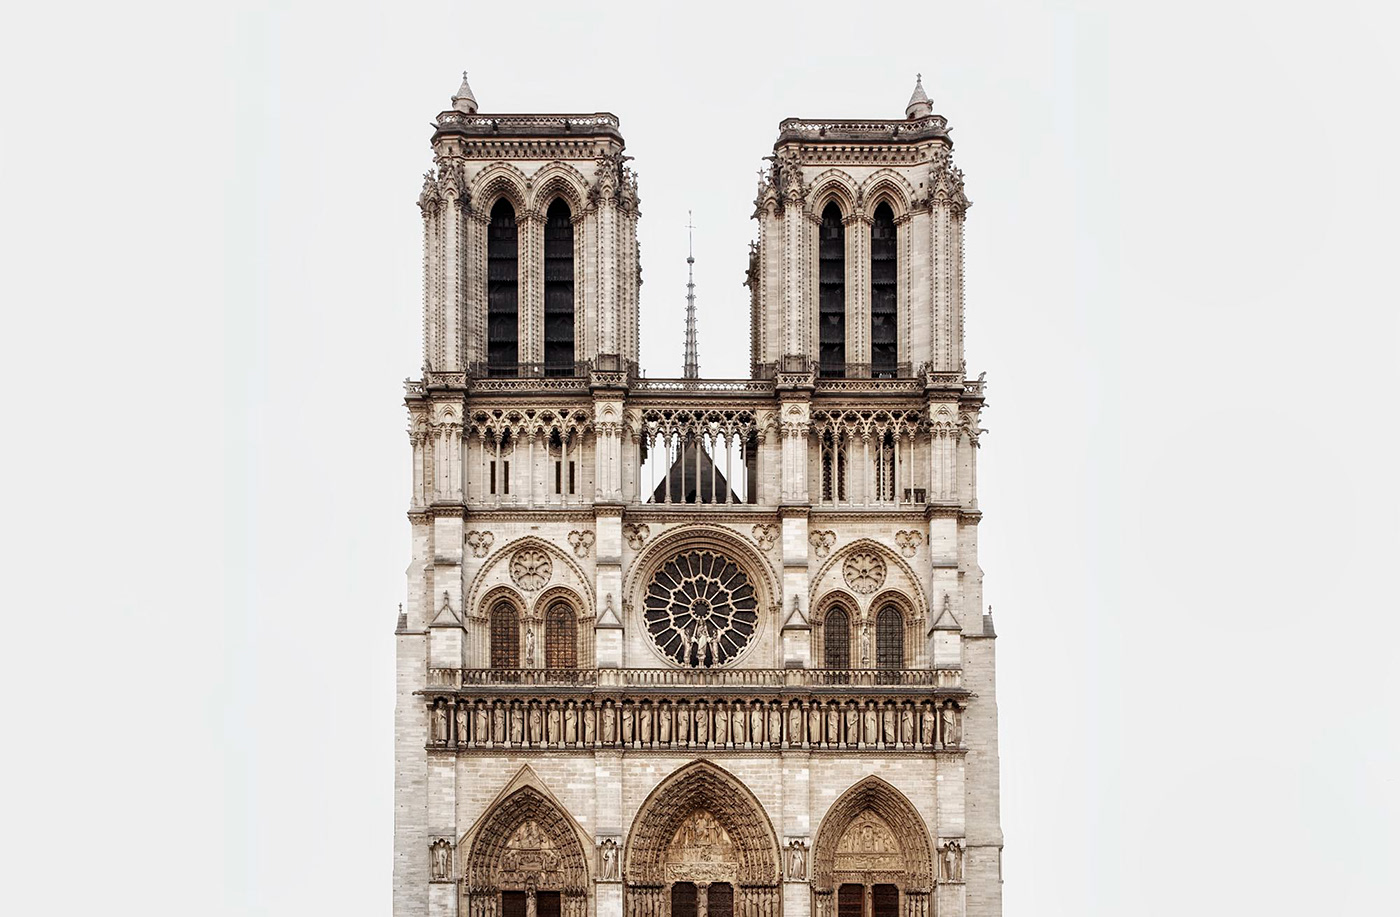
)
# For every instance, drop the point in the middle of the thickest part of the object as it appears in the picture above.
(464, 100)
(919, 106)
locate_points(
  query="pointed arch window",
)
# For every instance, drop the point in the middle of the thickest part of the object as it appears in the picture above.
(558, 290)
(505, 636)
(560, 637)
(889, 639)
(836, 635)
(884, 294)
(831, 280)
(502, 292)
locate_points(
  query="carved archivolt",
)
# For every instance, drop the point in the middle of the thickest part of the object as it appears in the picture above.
(872, 834)
(698, 821)
(526, 841)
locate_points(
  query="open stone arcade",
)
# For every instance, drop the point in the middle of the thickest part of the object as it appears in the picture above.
(693, 647)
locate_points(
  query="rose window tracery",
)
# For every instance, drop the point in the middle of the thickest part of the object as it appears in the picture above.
(864, 572)
(700, 608)
(531, 568)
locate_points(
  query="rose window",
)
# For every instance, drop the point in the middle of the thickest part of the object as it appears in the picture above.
(700, 609)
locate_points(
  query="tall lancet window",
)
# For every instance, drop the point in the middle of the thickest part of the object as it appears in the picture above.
(884, 295)
(831, 278)
(558, 290)
(502, 292)
(889, 639)
(836, 639)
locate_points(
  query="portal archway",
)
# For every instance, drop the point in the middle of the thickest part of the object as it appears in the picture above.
(526, 860)
(702, 846)
(872, 857)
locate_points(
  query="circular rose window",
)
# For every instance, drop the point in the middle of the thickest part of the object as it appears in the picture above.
(700, 608)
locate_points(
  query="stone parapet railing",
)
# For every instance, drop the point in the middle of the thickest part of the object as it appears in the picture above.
(701, 680)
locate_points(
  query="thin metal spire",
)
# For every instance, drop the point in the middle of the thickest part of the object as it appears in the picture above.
(692, 349)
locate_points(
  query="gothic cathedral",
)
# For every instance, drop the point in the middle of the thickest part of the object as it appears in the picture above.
(694, 647)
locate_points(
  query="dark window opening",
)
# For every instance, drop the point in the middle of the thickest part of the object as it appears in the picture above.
(502, 292)
(831, 299)
(505, 637)
(560, 637)
(884, 294)
(889, 639)
(559, 290)
(884, 901)
(837, 637)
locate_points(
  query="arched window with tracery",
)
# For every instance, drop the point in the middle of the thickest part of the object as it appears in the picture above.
(889, 638)
(502, 292)
(836, 639)
(884, 295)
(558, 290)
(831, 301)
(560, 637)
(505, 636)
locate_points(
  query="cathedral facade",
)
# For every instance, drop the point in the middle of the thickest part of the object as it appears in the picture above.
(694, 647)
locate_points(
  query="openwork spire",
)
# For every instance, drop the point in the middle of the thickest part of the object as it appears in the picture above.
(692, 349)
(464, 101)
(919, 106)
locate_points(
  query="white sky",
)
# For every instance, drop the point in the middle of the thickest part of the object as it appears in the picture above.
(1180, 266)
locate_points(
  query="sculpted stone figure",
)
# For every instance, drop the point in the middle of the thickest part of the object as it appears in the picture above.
(871, 733)
(463, 729)
(721, 725)
(952, 861)
(479, 732)
(928, 725)
(440, 724)
(628, 718)
(952, 726)
(644, 725)
(529, 646)
(498, 724)
(552, 726)
(441, 859)
(865, 645)
(517, 725)
(609, 859)
(852, 723)
(887, 718)
(906, 724)
(570, 724)
(756, 720)
(590, 724)
(738, 725)
(775, 724)
(536, 725)
(683, 724)
(609, 724)
(814, 724)
(663, 725)
(702, 724)
(833, 724)
(794, 724)
(797, 860)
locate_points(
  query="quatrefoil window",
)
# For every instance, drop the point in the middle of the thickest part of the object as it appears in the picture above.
(864, 572)
(700, 609)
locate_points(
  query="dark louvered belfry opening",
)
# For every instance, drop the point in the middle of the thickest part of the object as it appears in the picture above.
(505, 637)
(559, 290)
(837, 637)
(832, 298)
(884, 295)
(889, 639)
(683, 899)
(502, 292)
(719, 900)
(560, 637)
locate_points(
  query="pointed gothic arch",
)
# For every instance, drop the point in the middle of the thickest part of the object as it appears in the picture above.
(873, 837)
(525, 844)
(701, 800)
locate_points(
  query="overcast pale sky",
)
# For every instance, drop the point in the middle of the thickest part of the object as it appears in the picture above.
(1180, 263)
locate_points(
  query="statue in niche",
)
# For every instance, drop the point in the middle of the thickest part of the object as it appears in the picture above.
(644, 725)
(609, 851)
(775, 723)
(683, 724)
(536, 725)
(928, 725)
(702, 724)
(797, 860)
(609, 722)
(756, 724)
(906, 724)
(737, 726)
(852, 723)
(517, 725)
(663, 724)
(872, 734)
(814, 724)
(952, 728)
(479, 733)
(887, 716)
(589, 724)
(552, 724)
(721, 725)
(440, 724)
(952, 861)
(498, 723)
(865, 645)
(628, 716)
(833, 725)
(441, 859)
(463, 729)
(529, 645)
(794, 724)
(570, 724)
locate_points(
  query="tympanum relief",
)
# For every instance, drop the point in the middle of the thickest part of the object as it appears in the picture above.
(701, 851)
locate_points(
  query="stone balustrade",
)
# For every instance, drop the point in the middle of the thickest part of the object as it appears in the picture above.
(680, 680)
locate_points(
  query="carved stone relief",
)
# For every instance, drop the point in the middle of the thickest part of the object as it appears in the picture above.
(766, 535)
(480, 542)
(908, 542)
(797, 859)
(822, 542)
(440, 859)
(701, 851)
(868, 845)
(636, 534)
(582, 542)
(864, 572)
(531, 568)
